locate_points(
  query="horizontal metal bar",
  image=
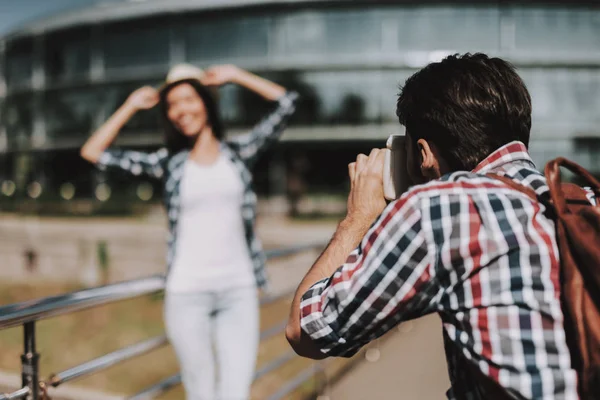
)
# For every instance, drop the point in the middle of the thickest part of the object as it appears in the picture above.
(292, 385)
(28, 311)
(277, 253)
(158, 389)
(272, 331)
(175, 380)
(273, 299)
(286, 251)
(276, 363)
(19, 394)
(108, 360)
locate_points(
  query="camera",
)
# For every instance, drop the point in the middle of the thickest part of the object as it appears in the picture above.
(395, 173)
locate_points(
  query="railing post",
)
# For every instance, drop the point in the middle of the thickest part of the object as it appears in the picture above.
(30, 362)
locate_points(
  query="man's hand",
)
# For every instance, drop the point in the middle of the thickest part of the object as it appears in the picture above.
(366, 200)
(365, 203)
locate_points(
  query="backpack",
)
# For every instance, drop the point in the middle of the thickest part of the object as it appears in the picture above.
(578, 236)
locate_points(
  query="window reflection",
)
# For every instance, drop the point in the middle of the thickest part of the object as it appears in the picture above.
(333, 32)
(73, 112)
(219, 38)
(448, 28)
(19, 60)
(18, 119)
(337, 97)
(552, 28)
(136, 44)
(67, 54)
(565, 97)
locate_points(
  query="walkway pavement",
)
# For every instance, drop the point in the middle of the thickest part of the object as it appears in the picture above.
(406, 364)
(66, 249)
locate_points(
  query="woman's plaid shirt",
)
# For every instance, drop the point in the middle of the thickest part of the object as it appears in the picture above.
(243, 151)
(481, 255)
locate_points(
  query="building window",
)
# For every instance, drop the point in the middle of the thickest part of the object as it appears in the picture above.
(342, 32)
(67, 55)
(72, 114)
(18, 120)
(455, 28)
(540, 29)
(136, 44)
(336, 97)
(216, 38)
(564, 99)
(19, 63)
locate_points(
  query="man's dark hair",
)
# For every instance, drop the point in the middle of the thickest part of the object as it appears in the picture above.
(468, 106)
(175, 140)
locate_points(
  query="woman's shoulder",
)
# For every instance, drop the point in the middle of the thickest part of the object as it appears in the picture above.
(174, 159)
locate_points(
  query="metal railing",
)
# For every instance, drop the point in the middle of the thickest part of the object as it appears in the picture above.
(27, 313)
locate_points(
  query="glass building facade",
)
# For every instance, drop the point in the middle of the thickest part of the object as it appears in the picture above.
(347, 59)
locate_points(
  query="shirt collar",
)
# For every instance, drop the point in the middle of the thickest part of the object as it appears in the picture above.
(507, 154)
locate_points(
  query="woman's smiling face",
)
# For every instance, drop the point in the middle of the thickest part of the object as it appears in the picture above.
(186, 110)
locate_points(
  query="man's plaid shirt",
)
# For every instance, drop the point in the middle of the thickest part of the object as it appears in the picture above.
(480, 254)
(243, 151)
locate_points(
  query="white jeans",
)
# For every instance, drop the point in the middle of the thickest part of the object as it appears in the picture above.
(226, 321)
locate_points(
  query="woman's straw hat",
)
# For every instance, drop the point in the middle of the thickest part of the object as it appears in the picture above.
(182, 72)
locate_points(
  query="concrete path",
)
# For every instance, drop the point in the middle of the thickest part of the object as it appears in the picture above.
(406, 364)
(67, 249)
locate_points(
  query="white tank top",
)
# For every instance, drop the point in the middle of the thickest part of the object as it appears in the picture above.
(211, 251)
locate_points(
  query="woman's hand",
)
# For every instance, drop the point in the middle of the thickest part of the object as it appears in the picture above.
(220, 74)
(143, 98)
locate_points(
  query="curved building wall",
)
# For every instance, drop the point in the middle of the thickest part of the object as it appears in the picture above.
(347, 59)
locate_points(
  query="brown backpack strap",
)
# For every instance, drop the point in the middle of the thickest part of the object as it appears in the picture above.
(557, 192)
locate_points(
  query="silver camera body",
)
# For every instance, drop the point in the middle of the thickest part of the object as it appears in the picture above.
(395, 173)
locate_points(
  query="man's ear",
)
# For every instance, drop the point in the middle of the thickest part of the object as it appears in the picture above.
(430, 167)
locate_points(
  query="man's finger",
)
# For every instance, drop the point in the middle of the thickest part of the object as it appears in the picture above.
(374, 163)
(378, 161)
(361, 162)
(352, 172)
(373, 152)
(375, 155)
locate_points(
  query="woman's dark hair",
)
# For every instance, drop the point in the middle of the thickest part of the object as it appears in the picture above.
(468, 106)
(175, 141)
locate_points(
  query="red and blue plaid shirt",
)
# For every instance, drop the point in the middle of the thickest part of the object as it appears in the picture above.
(480, 254)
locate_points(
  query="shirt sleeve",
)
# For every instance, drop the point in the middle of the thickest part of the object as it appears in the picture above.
(134, 162)
(386, 280)
(267, 132)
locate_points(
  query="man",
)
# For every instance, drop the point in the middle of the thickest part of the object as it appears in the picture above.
(459, 243)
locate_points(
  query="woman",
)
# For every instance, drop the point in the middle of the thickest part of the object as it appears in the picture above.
(215, 261)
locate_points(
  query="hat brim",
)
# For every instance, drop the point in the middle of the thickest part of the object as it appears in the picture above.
(167, 86)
